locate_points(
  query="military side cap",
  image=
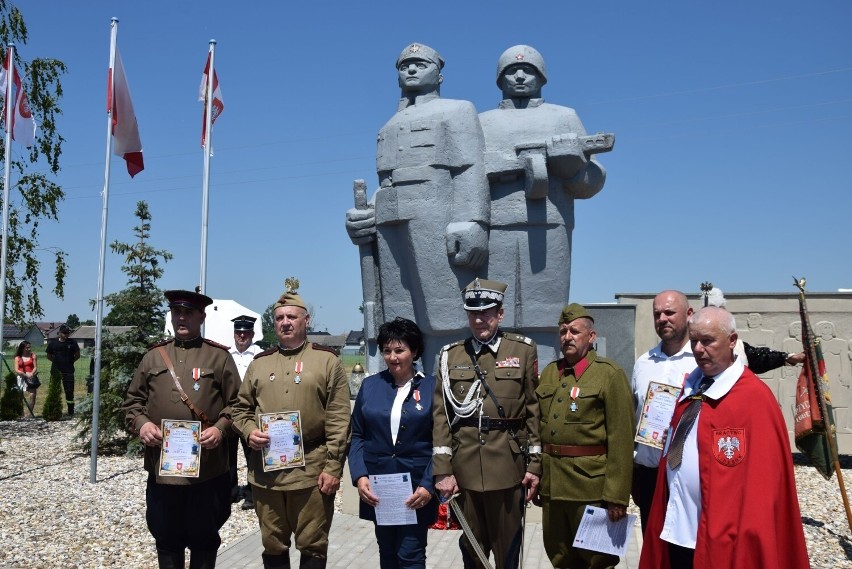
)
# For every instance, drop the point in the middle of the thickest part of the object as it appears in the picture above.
(572, 312)
(244, 322)
(420, 51)
(290, 296)
(188, 299)
(482, 294)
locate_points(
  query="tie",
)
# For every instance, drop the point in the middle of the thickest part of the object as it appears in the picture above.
(675, 455)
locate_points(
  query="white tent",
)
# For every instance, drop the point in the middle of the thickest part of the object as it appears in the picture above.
(218, 326)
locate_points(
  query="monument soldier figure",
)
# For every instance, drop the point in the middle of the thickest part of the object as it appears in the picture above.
(429, 217)
(538, 160)
(486, 419)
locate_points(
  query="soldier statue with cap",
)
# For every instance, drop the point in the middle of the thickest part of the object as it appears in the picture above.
(243, 352)
(538, 160)
(486, 436)
(587, 440)
(189, 378)
(427, 225)
(296, 375)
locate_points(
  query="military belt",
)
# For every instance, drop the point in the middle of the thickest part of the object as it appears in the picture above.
(573, 450)
(491, 423)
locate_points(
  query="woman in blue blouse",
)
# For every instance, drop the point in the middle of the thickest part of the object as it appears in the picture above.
(391, 434)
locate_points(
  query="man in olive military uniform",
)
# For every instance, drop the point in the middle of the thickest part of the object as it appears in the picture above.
(486, 427)
(587, 440)
(185, 512)
(309, 378)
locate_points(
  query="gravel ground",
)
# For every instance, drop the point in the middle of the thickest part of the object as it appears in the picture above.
(52, 516)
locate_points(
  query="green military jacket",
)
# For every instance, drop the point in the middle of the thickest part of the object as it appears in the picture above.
(322, 398)
(512, 376)
(152, 397)
(603, 416)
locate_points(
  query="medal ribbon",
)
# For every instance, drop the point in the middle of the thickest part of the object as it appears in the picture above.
(299, 366)
(575, 392)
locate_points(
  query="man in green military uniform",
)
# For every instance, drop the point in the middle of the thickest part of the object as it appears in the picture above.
(587, 440)
(486, 426)
(309, 378)
(185, 512)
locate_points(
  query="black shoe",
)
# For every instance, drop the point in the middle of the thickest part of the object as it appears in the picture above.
(248, 504)
(236, 494)
(170, 559)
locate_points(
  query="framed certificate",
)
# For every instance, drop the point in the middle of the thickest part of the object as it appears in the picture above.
(286, 448)
(180, 454)
(657, 411)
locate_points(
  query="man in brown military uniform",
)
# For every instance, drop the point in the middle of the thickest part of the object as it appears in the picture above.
(185, 512)
(486, 424)
(587, 440)
(309, 378)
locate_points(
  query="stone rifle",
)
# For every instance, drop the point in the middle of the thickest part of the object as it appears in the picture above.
(370, 282)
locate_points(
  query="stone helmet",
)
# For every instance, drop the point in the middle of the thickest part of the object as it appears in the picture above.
(420, 51)
(521, 54)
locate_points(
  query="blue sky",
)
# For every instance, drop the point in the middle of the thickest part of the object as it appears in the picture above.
(733, 123)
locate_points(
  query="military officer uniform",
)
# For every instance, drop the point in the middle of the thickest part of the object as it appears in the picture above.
(484, 448)
(587, 447)
(186, 512)
(311, 380)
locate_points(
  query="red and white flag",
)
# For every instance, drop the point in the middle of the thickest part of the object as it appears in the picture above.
(125, 130)
(217, 106)
(23, 123)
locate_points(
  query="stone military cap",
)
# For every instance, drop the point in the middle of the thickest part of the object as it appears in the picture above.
(290, 296)
(188, 299)
(482, 294)
(244, 322)
(572, 312)
(420, 51)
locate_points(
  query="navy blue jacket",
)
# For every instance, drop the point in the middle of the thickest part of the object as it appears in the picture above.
(372, 450)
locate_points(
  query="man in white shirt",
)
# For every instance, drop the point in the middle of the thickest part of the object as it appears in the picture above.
(243, 353)
(669, 362)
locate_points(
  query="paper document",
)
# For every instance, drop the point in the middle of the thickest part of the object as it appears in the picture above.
(597, 533)
(180, 454)
(393, 490)
(657, 413)
(285, 449)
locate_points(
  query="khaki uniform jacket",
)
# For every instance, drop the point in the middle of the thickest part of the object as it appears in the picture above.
(321, 397)
(604, 416)
(152, 397)
(511, 374)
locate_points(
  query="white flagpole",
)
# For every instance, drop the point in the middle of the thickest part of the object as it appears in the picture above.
(99, 300)
(208, 130)
(7, 112)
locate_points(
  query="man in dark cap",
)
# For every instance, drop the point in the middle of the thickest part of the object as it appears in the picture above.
(185, 378)
(296, 375)
(63, 352)
(486, 409)
(243, 352)
(587, 440)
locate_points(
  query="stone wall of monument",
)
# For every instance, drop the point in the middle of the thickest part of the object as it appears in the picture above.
(772, 320)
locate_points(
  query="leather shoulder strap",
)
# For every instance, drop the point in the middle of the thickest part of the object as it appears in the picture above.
(196, 412)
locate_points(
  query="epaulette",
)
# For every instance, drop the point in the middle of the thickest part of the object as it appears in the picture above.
(325, 348)
(452, 345)
(160, 343)
(517, 337)
(266, 352)
(216, 345)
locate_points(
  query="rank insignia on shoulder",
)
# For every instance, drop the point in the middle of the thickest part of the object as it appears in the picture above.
(511, 361)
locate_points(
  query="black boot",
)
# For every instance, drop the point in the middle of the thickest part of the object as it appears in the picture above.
(276, 561)
(248, 503)
(70, 409)
(202, 559)
(308, 562)
(170, 559)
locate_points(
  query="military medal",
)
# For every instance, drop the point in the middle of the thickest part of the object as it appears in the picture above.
(418, 406)
(298, 378)
(196, 375)
(271, 377)
(575, 392)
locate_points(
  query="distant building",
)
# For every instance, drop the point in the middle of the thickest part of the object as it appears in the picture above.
(85, 335)
(332, 341)
(354, 345)
(13, 335)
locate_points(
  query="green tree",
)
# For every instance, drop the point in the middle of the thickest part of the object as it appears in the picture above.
(37, 197)
(52, 408)
(73, 321)
(12, 402)
(141, 305)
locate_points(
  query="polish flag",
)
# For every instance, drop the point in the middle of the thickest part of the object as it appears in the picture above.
(218, 105)
(125, 130)
(23, 123)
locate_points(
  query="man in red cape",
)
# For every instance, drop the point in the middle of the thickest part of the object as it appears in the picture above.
(737, 464)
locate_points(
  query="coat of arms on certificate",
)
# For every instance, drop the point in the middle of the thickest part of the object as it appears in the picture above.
(657, 412)
(286, 447)
(180, 454)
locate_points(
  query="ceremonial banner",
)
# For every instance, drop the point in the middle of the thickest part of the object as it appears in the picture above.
(125, 130)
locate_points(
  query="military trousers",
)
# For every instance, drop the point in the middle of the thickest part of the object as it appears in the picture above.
(495, 519)
(560, 521)
(188, 516)
(304, 513)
